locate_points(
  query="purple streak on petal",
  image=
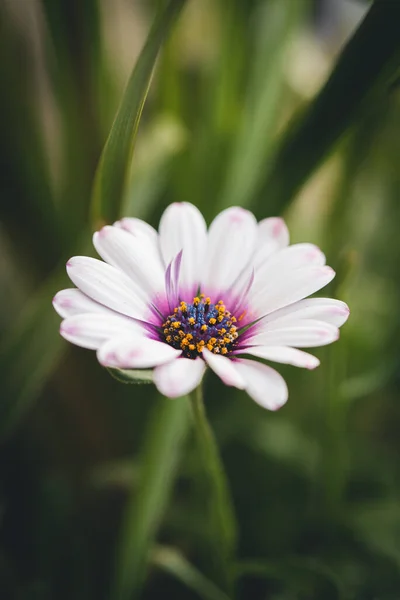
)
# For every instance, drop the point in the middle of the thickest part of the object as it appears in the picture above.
(177, 271)
(169, 287)
(241, 302)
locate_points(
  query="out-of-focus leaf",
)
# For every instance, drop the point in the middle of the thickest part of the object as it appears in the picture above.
(379, 526)
(28, 355)
(298, 574)
(275, 23)
(164, 438)
(30, 351)
(173, 562)
(155, 151)
(132, 375)
(113, 171)
(363, 73)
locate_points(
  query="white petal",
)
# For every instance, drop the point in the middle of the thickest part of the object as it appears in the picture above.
(93, 329)
(133, 256)
(283, 263)
(263, 383)
(283, 354)
(301, 334)
(331, 311)
(273, 235)
(287, 288)
(108, 286)
(73, 302)
(224, 368)
(179, 377)
(140, 229)
(231, 242)
(182, 227)
(135, 353)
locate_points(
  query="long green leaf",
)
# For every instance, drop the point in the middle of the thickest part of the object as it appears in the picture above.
(114, 166)
(172, 561)
(28, 355)
(363, 72)
(276, 22)
(161, 453)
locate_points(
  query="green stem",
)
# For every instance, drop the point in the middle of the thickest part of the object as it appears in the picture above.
(221, 516)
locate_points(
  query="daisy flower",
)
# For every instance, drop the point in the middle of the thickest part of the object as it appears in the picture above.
(183, 299)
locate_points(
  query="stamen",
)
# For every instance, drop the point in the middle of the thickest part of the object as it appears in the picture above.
(201, 324)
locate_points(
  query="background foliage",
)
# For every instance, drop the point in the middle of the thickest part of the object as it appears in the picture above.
(283, 106)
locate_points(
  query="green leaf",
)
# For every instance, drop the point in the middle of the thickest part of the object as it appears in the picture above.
(112, 174)
(173, 562)
(28, 354)
(276, 22)
(132, 376)
(162, 449)
(297, 574)
(363, 74)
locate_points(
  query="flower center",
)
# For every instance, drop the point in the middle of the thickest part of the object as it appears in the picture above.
(193, 327)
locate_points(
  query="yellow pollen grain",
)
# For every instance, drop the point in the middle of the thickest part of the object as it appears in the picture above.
(199, 348)
(212, 321)
(184, 343)
(189, 336)
(224, 350)
(192, 347)
(169, 338)
(176, 324)
(209, 346)
(222, 331)
(196, 301)
(192, 320)
(207, 300)
(166, 331)
(204, 328)
(176, 338)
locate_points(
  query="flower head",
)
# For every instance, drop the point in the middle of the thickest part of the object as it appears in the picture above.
(184, 298)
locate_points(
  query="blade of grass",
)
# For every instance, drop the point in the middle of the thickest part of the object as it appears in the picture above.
(112, 174)
(172, 561)
(30, 350)
(28, 354)
(164, 439)
(275, 24)
(363, 72)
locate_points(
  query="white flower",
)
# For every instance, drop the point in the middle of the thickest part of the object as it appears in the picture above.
(186, 298)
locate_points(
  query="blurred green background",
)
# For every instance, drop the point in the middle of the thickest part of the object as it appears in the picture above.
(252, 103)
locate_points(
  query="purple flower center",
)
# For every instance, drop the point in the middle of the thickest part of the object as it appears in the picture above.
(193, 327)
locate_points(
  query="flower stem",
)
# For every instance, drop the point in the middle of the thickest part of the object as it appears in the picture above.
(221, 518)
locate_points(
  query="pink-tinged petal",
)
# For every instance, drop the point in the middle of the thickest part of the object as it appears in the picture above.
(224, 368)
(73, 302)
(284, 262)
(231, 242)
(91, 330)
(135, 353)
(263, 384)
(283, 354)
(182, 227)
(273, 235)
(140, 229)
(108, 286)
(300, 334)
(287, 288)
(133, 256)
(331, 311)
(179, 377)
